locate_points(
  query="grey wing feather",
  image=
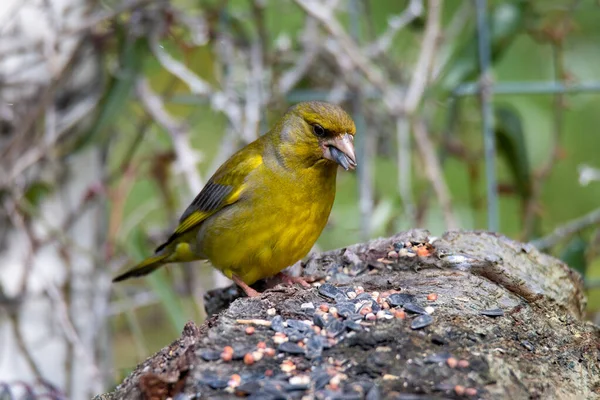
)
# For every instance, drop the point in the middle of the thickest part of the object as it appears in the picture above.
(209, 198)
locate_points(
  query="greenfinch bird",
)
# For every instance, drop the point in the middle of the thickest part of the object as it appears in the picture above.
(266, 206)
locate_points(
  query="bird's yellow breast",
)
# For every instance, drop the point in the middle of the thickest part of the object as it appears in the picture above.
(272, 226)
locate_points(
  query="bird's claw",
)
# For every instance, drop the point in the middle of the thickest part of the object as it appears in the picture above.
(247, 289)
(290, 280)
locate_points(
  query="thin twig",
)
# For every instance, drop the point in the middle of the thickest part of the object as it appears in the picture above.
(422, 69)
(187, 158)
(293, 75)
(395, 24)
(62, 310)
(24, 350)
(325, 16)
(196, 84)
(412, 99)
(568, 229)
(434, 172)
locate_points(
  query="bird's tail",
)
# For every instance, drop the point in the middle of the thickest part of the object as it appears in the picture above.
(145, 267)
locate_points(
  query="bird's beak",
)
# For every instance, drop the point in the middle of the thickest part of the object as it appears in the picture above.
(341, 150)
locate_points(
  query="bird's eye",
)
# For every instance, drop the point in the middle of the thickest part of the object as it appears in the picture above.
(318, 130)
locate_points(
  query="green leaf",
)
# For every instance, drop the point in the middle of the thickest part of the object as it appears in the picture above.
(512, 147)
(36, 192)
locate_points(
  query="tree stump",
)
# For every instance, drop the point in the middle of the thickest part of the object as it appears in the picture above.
(467, 315)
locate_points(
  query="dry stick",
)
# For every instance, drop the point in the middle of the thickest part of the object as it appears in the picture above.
(254, 97)
(39, 152)
(71, 333)
(186, 156)
(422, 70)
(292, 76)
(325, 16)
(395, 24)
(69, 329)
(414, 94)
(14, 321)
(196, 84)
(108, 15)
(568, 229)
(434, 172)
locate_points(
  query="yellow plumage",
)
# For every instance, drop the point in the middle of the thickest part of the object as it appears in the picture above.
(266, 206)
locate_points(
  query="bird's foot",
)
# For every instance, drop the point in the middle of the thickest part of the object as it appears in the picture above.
(247, 289)
(290, 280)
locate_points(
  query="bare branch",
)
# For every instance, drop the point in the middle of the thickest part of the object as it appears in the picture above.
(196, 84)
(62, 310)
(187, 158)
(568, 229)
(292, 76)
(325, 16)
(422, 69)
(434, 172)
(395, 24)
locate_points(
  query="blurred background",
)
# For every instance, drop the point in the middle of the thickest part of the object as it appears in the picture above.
(113, 114)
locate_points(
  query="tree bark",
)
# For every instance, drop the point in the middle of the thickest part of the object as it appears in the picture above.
(506, 322)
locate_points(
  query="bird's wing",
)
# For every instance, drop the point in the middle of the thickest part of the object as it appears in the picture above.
(223, 189)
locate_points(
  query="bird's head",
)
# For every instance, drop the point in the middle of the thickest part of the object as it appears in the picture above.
(319, 132)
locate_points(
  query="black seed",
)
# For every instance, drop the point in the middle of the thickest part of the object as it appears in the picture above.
(320, 379)
(361, 387)
(528, 345)
(297, 324)
(440, 341)
(357, 269)
(414, 308)
(398, 246)
(214, 382)
(249, 387)
(293, 388)
(494, 312)
(355, 317)
(347, 396)
(365, 304)
(314, 347)
(210, 355)
(275, 385)
(436, 358)
(399, 299)
(291, 348)
(277, 324)
(263, 395)
(328, 290)
(352, 325)
(240, 352)
(318, 320)
(421, 321)
(345, 308)
(293, 335)
(340, 298)
(334, 327)
(362, 297)
(373, 393)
